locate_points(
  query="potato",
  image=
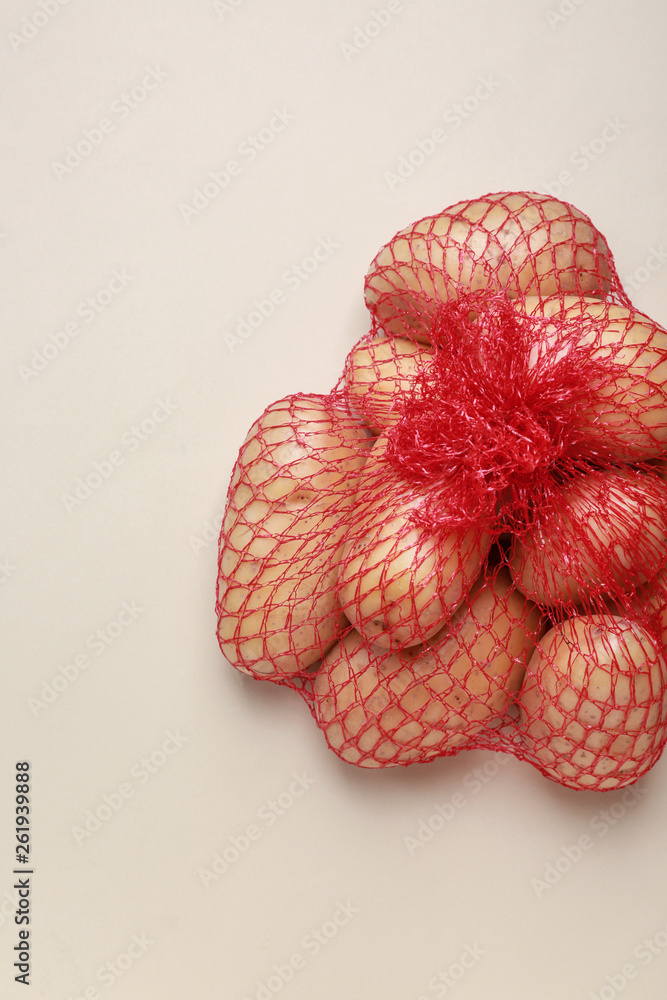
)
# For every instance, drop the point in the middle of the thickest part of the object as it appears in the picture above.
(380, 708)
(552, 341)
(630, 411)
(553, 305)
(524, 243)
(398, 581)
(628, 414)
(379, 374)
(652, 600)
(593, 706)
(282, 535)
(603, 534)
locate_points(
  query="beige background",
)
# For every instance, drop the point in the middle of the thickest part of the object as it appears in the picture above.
(114, 687)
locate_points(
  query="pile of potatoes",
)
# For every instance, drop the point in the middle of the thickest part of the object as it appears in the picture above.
(539, 633)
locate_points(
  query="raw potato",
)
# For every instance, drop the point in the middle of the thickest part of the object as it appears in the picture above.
(630, 413)
(593, 705)
(291, 489)
(604, 535)
(551, 339)
(554, 305)
(524, 243)
(379, 374)
(397, 581)
(652, 599)
(379, 708)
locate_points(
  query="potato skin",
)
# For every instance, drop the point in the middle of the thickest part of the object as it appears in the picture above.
(652, 600)
(630, 411)
(593, 706)
(380, 373)
(522, 242)
(603, 536)
(379, 708)
(291, 489)
(398, 581)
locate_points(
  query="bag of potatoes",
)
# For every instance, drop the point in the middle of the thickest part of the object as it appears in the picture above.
(462, 545)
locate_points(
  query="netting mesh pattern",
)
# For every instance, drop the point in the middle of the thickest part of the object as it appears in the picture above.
(462, 545)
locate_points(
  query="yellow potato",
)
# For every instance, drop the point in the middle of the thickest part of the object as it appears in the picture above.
(652, 600)
(523, 243)
(554, 305)
(398, 581)
(628, 413)
(604, 534)
(552, 341)
(291, 489)
(593, 706)
(380, 374)
(378, 708)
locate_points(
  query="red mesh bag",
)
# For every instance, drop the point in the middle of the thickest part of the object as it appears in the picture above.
(462, 545)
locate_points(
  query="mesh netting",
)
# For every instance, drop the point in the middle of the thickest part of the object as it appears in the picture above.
(462, 545)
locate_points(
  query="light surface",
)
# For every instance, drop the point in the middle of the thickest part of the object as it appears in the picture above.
(129, 273)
